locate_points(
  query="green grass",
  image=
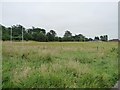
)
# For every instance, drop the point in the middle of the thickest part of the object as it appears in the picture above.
(60, 64)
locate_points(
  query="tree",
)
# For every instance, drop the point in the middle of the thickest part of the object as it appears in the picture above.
(60, 39)
(81, 37)
(101, 38)
(50, 37)
(53, 33)
(90, 39)
(39, 37)
(86, 39)
(56, 38)
(17, 32)
(68, 34)
(5, 32)
(36, 34)
(96, 38)
(28, 36)
(104, 38)
(36, 30)
(76, 38)
(42, 37)
(39, 34)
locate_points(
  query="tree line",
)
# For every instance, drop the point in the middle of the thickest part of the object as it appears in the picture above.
(39, 34)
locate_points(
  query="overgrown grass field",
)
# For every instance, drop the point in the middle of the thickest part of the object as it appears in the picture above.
(59, 64)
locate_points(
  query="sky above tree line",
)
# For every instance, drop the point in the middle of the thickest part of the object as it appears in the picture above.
(88, 18)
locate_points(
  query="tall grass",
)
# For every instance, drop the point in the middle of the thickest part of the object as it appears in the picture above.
(64, 64)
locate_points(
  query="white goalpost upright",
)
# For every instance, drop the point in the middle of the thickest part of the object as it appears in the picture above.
(22, 34)
(11, 34)
(22, 50)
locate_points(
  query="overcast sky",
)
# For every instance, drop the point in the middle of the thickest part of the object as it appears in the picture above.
(88, 18)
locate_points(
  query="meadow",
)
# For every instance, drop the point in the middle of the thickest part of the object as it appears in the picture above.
(59, 64)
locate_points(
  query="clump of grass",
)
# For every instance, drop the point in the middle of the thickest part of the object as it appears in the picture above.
(47, 58)
(83, 60)
(113, 49)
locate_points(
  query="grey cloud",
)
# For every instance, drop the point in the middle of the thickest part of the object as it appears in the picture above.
(88, 18)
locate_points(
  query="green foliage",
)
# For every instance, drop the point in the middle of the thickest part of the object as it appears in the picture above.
(5, 33)
(36, 30)
(96, 38)
(39, 37)
(39, 34)
(28, 36)
(80, 37)
(68, 34)
(104, 38)
(50, 37)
